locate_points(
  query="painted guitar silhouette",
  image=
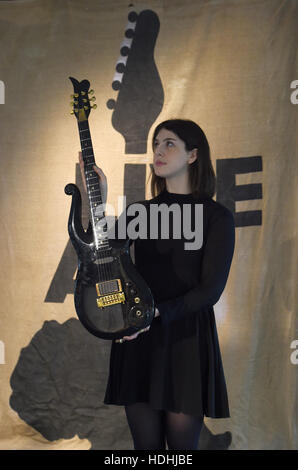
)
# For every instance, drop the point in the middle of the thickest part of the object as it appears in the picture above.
(140, 97)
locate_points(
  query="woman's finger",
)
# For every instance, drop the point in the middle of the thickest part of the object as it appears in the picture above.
(103, 181)
(82, 170)
(99, 172)
(129, 338)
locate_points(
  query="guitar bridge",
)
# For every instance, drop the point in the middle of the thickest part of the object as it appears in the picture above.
(109, 293)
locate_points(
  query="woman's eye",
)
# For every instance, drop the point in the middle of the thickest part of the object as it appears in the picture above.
(169, 143)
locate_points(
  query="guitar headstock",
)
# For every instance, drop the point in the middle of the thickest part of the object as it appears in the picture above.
(81, 101)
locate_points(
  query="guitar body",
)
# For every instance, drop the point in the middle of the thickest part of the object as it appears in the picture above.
(111, 298)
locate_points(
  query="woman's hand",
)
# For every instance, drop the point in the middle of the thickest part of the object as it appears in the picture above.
(129, 338)
(102, 178)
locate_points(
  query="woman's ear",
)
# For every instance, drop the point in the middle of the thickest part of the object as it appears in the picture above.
(193, 156)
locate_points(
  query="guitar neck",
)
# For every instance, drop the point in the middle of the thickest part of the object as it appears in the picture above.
(96, 205)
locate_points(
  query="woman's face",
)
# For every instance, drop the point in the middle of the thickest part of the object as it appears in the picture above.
(170, 156)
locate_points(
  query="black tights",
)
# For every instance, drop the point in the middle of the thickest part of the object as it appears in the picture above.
(151, 429)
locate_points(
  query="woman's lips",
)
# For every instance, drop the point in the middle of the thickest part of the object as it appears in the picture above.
(160, 163)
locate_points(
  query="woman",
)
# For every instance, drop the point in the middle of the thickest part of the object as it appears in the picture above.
(170, 375)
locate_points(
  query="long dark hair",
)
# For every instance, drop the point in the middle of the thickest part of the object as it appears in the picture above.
(201, 173)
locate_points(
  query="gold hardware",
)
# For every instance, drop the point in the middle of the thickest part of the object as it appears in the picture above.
(90, 92)
(111, 299)
(93, 98)
(109, 293)
(138, 313)
(94, 106)
(137, 300)
(83, 93)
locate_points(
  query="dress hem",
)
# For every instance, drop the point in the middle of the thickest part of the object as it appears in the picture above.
(205, 414)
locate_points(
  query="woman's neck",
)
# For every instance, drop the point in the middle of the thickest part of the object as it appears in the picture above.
(178, 186)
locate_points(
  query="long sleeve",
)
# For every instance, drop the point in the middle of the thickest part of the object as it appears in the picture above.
(216, 262)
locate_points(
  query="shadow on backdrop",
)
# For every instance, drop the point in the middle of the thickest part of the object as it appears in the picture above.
(58, 386)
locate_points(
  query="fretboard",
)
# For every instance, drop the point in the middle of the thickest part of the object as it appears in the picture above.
(97, 212)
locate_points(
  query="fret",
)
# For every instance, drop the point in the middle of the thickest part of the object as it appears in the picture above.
(91, 193)
(99, 224)
(86, 150)
(87, 136)
(89, 157)
(94, 189)
(89, 179)
(96, 202)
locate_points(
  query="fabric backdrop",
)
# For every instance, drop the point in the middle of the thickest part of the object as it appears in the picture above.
(229, 65)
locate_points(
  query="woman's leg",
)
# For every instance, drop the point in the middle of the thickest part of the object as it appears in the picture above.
(146, 426)
(183, 431)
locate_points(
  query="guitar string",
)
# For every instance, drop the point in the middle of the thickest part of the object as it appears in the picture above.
(100, 252)
(101, 266)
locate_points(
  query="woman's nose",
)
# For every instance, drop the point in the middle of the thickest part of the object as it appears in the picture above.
(158, 150)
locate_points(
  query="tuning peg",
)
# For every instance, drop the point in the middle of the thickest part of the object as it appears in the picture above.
(72, 112)
(94, 106)
(75, 95)
(90, 92)
(93, 98)
(86, 107)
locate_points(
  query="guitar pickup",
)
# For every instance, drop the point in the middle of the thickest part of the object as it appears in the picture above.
(108, 287)
(109, 293)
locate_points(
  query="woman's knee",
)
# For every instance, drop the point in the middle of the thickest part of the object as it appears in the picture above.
(146, 426)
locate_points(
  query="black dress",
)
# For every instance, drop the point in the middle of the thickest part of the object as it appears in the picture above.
(177, 364)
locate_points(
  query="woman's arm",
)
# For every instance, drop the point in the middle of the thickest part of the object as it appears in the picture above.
(217, 258)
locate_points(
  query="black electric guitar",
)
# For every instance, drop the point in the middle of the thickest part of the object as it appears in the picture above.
(111, 299)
